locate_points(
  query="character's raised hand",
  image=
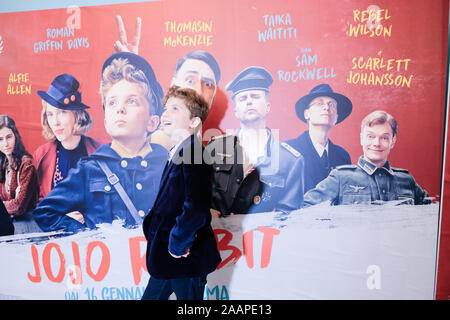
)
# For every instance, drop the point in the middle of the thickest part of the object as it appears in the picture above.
(122, 45)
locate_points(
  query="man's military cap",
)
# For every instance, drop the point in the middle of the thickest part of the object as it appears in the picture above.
(251, 78)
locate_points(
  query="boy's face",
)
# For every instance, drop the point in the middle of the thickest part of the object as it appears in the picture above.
(176, 120)
(127, 112)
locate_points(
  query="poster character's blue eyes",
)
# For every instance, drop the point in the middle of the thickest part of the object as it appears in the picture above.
(209, 83)
(190, 80)
(132, 102)
(111, 103)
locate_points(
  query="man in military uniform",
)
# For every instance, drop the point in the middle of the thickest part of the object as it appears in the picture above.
(321, 109)
(372, 180)
(253, 171)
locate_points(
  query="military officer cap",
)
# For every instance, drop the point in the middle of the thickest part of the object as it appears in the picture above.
(251, 78)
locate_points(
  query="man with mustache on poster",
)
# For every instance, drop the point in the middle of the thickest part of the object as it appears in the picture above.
(372, 180)
(197, 70)
(252, 171)
(321, 109)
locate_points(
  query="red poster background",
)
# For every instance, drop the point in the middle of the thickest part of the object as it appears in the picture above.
(419, 33)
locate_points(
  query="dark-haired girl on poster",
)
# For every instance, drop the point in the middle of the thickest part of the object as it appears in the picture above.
(18, 178)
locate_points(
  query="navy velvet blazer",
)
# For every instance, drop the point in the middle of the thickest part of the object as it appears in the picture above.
(315, 171)
(180, 218)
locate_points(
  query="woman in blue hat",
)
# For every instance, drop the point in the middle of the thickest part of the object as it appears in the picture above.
(65, 122)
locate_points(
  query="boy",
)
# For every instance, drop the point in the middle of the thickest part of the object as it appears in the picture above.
(181, 247)
(131, 98)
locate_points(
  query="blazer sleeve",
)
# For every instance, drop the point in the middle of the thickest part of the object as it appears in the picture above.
(195, 209)
(28, 190)
(65, 197)
(326, 190)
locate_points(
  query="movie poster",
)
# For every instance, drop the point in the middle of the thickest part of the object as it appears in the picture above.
(328, 223)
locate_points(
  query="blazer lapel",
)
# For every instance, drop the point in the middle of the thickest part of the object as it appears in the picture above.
(170, 165)
(164, 178)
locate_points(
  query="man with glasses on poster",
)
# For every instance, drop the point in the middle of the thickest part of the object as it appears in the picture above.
(321, 109)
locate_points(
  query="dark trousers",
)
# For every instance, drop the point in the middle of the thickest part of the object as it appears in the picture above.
(184, 288)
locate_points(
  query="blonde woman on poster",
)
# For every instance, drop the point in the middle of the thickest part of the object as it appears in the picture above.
(65, 123)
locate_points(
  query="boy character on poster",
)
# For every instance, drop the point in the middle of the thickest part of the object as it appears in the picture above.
(252, 171)
(119, 180)
(321, 109)
(181, 246)
(372, 180)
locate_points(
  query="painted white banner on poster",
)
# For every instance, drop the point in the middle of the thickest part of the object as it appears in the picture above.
(323, 252)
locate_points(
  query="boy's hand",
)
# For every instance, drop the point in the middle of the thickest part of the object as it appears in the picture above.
(215, 213)
(122, 44)
(77, 216)
(183, 256)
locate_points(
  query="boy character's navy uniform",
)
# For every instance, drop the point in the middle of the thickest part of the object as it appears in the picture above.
(366, 184)
(180, 218)
(87, 190)
(275, 183)
(316, 168)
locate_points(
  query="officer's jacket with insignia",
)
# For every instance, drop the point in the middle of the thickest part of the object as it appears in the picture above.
(276, 183)
(86, 189)
(366, 184)
(315, 171)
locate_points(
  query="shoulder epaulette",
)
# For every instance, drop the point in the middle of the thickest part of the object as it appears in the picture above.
(399, 170)
(218, 138)
(346, 166)
(290, 149)
(221, 136)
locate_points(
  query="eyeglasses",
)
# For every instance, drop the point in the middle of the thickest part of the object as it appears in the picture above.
(321, 103)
